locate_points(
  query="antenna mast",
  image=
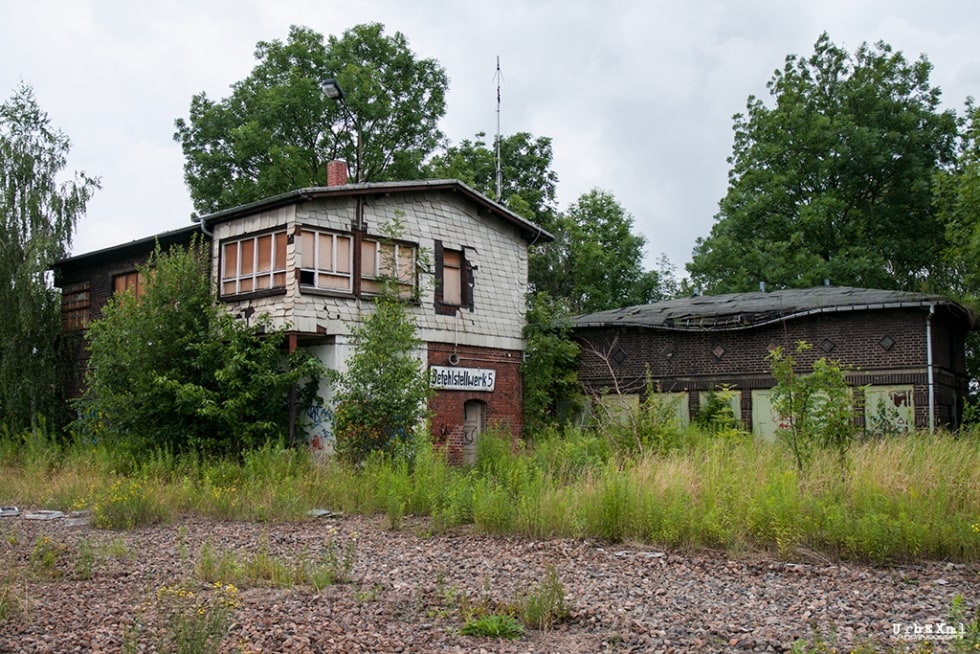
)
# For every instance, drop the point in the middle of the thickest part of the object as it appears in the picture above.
(500, 175)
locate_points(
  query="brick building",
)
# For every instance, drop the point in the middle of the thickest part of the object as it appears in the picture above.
(88, 280)
(313, 260)
(904, 351)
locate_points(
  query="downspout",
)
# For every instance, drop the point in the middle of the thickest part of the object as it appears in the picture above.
(204, 229)
(929, 373)
(292, 397)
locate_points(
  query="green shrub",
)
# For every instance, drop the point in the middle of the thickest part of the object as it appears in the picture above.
(173, 368)
(493, 625)
(543, 605)
(381, 397)
(817, 407)
(126, 503)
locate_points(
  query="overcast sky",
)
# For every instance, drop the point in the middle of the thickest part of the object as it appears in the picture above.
(637, 95)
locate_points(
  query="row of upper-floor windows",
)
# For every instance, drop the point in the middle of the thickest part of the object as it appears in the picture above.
(334, 262)
(341, 262)
(330, 259)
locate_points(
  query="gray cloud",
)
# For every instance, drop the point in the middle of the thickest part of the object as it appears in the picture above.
(638, 96)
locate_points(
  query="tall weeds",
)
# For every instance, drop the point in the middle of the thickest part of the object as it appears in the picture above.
(900, 499)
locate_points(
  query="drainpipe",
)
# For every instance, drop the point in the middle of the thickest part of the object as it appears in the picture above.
(204, 228)
(292, 398)
(929, 374)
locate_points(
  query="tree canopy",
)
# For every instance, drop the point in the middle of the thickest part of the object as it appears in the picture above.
(277, 129)
(38, 215)
(597, 259)
(834, 181)
(957, 202)
(528, 182)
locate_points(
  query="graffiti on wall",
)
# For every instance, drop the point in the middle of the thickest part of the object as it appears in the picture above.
(320, 433)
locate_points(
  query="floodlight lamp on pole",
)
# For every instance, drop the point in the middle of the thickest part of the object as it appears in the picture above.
(331, 89)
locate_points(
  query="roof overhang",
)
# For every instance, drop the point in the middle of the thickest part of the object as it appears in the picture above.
(741, 311)
(529, 230)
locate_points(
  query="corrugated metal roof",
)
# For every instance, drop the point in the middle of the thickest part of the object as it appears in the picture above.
(745, 310)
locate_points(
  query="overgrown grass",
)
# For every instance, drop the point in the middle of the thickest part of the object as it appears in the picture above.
(331, 565)
(900, 499)
(184, 621)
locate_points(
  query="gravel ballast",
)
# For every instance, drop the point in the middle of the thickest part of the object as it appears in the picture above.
(407, 587)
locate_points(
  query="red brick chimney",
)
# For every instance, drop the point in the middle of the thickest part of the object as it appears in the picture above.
(337, 174)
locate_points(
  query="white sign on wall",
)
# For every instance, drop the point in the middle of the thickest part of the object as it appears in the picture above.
(463, 379)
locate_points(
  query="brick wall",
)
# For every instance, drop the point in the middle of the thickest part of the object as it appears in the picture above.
(98, 270)
(504, 406)
(882, 347)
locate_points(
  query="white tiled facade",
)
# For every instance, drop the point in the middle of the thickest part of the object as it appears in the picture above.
(496, 250)
(494, 243)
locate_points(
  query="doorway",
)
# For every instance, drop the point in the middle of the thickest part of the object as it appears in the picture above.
(474, 422)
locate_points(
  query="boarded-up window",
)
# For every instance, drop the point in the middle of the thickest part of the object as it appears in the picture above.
(675, 404)
(732, 400)
(617, 409)
(131, 281)
(889, 410)
(454, 280)
(452, 277)
(327, 260)
(253, 263)
(75, 303)
(766, 421)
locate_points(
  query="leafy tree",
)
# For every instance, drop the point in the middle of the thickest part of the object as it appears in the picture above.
(834, 181)
(957, 200)
(598, 259)
(817, 407)
(381, 398)
(595, 245)
(527, 186)
(276, 130)
(527, 180)
(551, 387)
(38, 214)
(172, 369)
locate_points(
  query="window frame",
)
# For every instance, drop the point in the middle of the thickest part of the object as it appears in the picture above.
(372, 280)
(257, 282)
(314, 272)
(448, 306)
(131, 280)
(76, 306)
(368, 270)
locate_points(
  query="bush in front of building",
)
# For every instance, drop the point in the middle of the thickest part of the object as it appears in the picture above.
(171, 369)
(381, 397)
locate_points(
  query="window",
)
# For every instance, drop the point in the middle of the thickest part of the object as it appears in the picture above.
(889, 410)
(454, 280)
(327, 261)
(352, 263)
(386, 262)
(452, 277)
(75, 306)
(131, 281)
(254, 263)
